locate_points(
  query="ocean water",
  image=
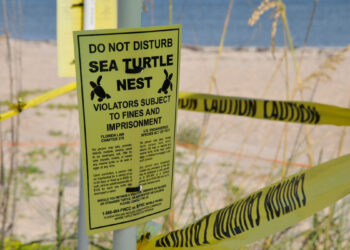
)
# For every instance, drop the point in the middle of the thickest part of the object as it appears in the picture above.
(202, 21)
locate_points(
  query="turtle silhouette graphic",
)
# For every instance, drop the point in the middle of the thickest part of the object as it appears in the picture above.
(167, 83)
(98, 90)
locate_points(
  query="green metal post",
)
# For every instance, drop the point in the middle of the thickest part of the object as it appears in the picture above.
(129, 16)
(129, 13)
(83, 239)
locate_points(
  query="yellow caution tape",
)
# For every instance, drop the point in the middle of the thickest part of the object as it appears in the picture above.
(262, 213)
(269, 210)
(17, 108)
(287, 111)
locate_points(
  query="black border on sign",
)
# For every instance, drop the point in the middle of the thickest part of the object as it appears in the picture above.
(83, 109)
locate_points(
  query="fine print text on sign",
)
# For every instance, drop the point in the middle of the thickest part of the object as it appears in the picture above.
(127, 82)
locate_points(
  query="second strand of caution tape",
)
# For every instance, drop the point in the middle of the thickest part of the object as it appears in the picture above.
(286, 111)
(275, 110)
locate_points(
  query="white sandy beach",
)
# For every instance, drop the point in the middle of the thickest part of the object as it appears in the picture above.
(245, 72)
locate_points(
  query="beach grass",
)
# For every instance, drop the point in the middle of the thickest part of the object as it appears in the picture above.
(206, 177)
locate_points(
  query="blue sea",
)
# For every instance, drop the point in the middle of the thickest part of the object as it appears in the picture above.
(203, 20)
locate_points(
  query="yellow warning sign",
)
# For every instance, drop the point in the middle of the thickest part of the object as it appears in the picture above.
(127, 82)
(69, 19)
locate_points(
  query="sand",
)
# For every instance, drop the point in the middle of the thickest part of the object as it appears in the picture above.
(245, 72)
